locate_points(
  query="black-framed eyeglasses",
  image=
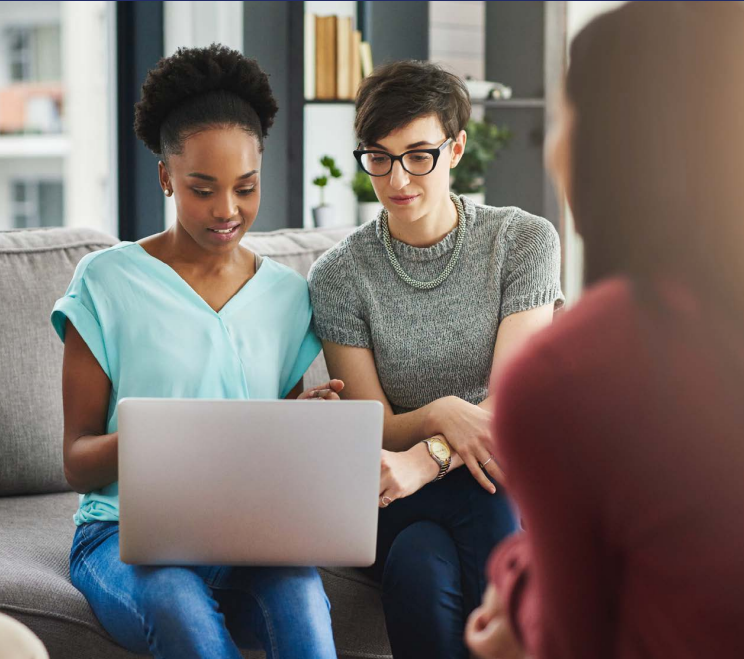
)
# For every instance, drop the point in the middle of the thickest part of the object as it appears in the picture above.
(418, 162)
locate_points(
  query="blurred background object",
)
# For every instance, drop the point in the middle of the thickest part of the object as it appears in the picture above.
(18, 642)
(56, 115)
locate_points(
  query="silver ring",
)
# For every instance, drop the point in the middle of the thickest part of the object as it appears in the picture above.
(487, 461)
(385, 504)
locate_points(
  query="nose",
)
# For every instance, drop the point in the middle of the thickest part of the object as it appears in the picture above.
(225, 207)
(399, 177)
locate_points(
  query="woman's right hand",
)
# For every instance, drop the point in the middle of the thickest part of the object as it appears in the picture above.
(467, 428)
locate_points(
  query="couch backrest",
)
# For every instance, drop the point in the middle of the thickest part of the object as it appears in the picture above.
(35, 268)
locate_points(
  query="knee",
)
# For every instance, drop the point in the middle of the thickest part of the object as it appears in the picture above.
(421, 559)
(300, 585)
(171, 590)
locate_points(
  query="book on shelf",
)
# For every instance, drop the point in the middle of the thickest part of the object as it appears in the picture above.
(366, 56)
(334, 56)
(325, 57)
(355, 74)
(343, 57)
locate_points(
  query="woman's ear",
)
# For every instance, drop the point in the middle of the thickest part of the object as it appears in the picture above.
(164, 176)
(458, 148)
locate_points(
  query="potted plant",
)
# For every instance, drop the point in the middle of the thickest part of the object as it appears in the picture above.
(485, 140)
(324, 215)
(368, 204)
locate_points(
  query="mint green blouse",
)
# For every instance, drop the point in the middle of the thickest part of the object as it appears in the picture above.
(155, 337)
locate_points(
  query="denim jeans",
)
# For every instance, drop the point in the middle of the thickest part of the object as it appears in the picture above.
(432, 548)
(201, 611)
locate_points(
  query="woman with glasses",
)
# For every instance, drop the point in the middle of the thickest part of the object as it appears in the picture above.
(416, 309)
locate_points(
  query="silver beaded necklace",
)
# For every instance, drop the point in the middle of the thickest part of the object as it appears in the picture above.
(462, 226)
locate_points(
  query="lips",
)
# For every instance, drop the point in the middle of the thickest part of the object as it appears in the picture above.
(224, 226)
(402, 200)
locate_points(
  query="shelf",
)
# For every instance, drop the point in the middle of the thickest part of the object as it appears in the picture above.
(335, 101)
(516, 103)
(34, 146)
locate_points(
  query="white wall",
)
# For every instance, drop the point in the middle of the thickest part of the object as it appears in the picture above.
(89, 97)
(457, 37)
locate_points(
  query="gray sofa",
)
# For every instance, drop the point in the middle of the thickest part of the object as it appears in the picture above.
(36, 504)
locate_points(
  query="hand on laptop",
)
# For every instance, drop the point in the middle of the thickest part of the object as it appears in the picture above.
(326, 391)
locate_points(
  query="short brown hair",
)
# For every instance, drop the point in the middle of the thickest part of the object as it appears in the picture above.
(395, 94)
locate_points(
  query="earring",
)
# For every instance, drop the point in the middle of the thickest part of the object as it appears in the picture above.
(168, 192)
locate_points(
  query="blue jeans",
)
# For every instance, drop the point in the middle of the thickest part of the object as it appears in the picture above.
(432, 549)
(202, 611)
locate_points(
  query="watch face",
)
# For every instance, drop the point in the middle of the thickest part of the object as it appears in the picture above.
(440, 450)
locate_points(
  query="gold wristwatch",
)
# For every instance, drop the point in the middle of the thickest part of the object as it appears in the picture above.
(440, 451)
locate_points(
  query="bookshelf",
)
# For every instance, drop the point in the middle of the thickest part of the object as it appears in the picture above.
(524, 48)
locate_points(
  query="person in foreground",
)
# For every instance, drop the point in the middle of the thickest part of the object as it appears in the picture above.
(415, 309)
(620, 428)
(188, 313)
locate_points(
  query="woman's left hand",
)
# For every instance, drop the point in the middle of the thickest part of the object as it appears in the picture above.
(405, 473)
(327, 391)
(489, 633)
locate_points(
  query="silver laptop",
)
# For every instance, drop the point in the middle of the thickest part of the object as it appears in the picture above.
(241, 482)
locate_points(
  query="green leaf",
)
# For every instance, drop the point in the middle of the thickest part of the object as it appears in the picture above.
(362, 186)
(485, 140)
(320, 181)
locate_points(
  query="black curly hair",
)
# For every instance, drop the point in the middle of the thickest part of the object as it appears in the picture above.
(198, 88)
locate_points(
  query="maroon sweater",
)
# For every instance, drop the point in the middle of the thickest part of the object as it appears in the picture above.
(621, 431)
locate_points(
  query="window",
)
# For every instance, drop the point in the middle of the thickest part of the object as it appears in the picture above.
(57, 114)
(37, 203)
(19, 44)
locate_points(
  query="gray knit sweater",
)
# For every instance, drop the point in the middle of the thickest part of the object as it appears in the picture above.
(439, 342)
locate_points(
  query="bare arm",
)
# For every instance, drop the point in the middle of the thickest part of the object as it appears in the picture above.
(466, 426)
(90, 456)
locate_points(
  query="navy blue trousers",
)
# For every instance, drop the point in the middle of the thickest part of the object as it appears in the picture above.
(432, 549)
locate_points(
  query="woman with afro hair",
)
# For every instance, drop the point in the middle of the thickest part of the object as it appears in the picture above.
(188, 313)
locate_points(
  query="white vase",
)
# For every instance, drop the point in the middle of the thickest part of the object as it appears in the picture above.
(324, 216)
(368, 210)
(477, 197)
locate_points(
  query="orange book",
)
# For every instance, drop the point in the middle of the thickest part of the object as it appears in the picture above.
(355, 74)
(325, 69)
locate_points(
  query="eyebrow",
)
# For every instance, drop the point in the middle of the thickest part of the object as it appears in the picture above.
(410, 146)
(206, 177)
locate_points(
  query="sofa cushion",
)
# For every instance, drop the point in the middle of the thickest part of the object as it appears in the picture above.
(35, 587)
(35, 268)
(297, 248)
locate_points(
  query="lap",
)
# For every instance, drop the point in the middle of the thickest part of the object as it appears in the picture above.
(459, 504)
(121, 595)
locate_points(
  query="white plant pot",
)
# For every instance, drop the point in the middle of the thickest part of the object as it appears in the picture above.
(324, 217)
(477, 197)
(368, 210)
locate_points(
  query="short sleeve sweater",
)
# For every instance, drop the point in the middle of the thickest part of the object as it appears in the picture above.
(428, 344)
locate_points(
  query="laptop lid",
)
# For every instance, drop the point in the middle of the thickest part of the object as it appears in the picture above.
(241, 482)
